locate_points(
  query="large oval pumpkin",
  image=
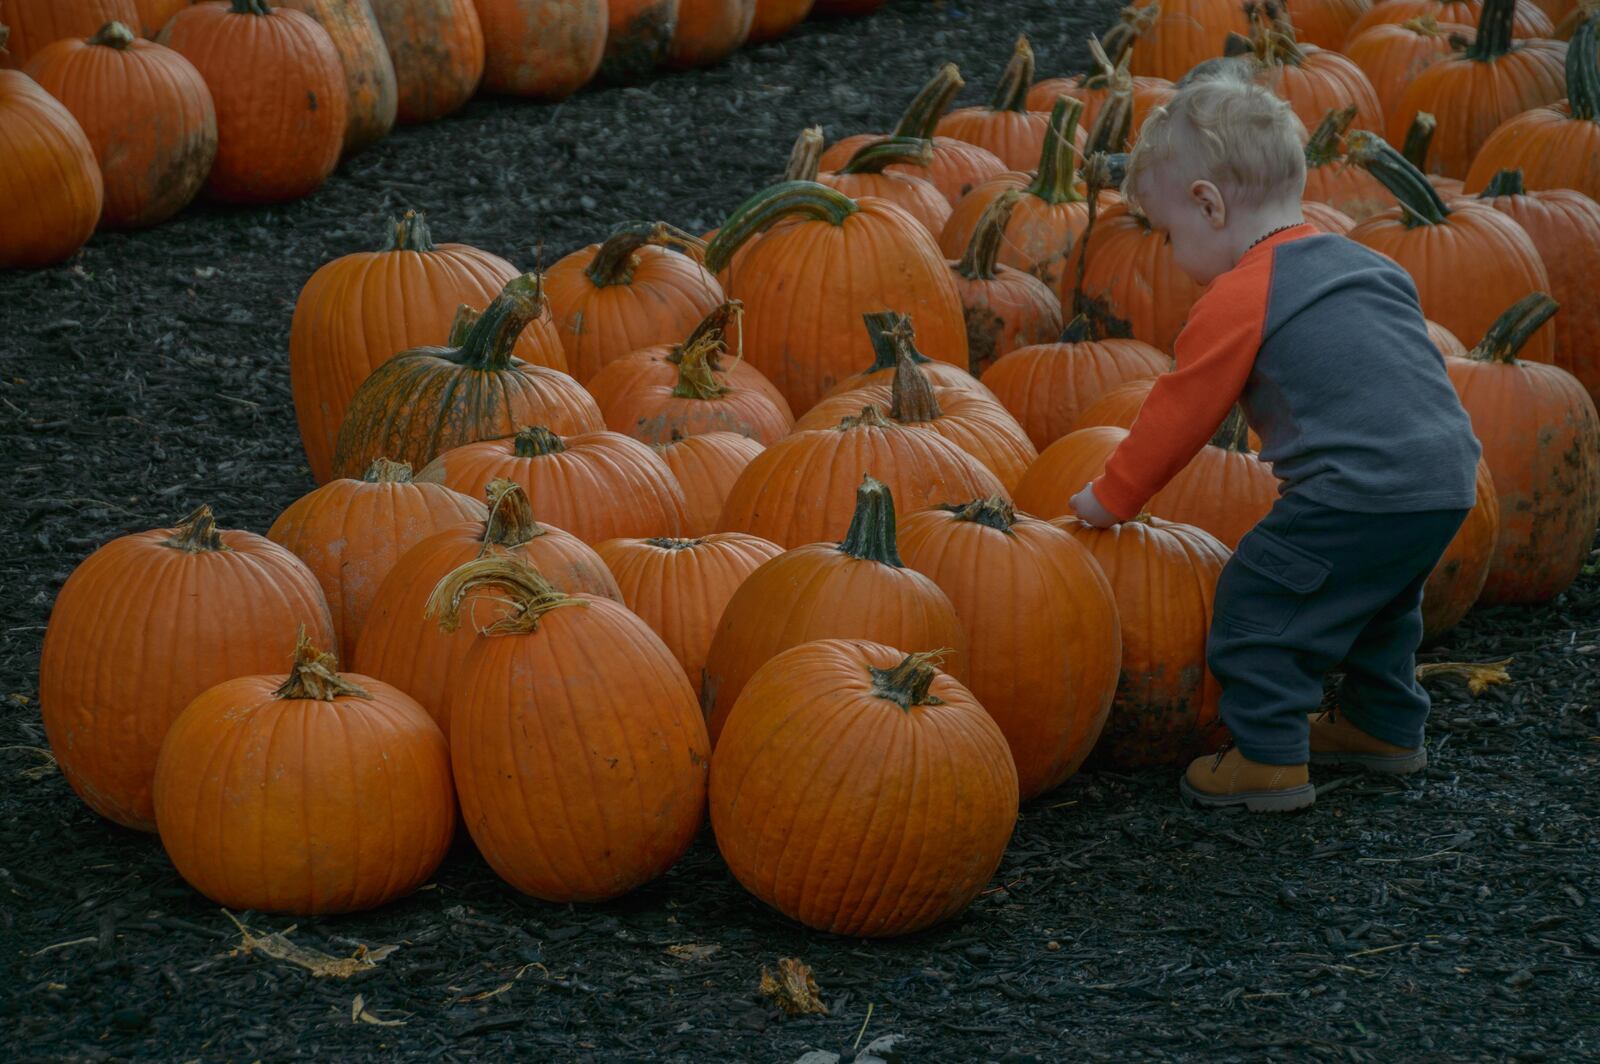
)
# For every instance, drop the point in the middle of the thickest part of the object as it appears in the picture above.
(437, 48)
(35, 24)
(143, 626)
(47, 162)
(707, 467)
(541, 49)
(371, 92)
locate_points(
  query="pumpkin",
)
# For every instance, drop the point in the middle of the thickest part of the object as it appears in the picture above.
(1005, 308)
(1048, 219)
(1224, 490)
(957, 167)
(143, 626)
(541, 49)
(775, 18)
(1330, 179)
(837, 259)
(1557, 146)
(1526, 19)
(629, 292)
(638, 37)
(1326, 23)
(1185, 33)
(358, 311)
(1448, 250)
(1457, 580)
(279, 92)
(398, 645)
(1327, 219)
(802, 488)
(147, 114)
(47, 162)
(437, 47)
(350, 533)
(309, 793)
(596, 485)
(34, 24)
(1392, 54)
(1006, 127)
(1314, 80)
(977, 424)
(153, 14)
(886, 361)
(1163, 577)
(680, 587)
(1565, 229)
(580, 755)
(1494, 79)
(866, 174)
(942, 786)
(1111, 57)
(1541, 440)
(424, 401)
(854, 588)
(1132, 276)
(1041, 624)
(708, 31)
(707, 467)
(1446, 341)
(372, 95)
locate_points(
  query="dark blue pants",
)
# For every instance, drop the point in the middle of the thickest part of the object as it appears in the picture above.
(1308, 588)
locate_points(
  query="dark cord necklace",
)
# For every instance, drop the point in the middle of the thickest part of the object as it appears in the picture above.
(1270, 233)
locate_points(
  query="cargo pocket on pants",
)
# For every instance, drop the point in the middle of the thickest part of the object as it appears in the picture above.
(1269, 582)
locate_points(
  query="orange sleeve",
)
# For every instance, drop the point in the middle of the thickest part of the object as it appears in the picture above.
(1215, 353)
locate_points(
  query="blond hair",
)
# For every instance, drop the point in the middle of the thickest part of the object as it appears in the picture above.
(1224, 128)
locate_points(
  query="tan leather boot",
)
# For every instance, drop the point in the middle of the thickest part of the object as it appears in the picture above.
(1336, 741)
(1229, 778)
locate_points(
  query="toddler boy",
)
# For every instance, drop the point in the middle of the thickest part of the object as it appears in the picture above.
(1323, 343)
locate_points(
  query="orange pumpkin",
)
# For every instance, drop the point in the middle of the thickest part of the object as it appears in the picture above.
(1330, 179)
(867, 174)
(856, 587)
(427, 400)
(154, 14)
(1457, 580)
(437, 48)
(35, 24)
(1041, 625)
(47, 162)
(1526, 19)
(1541, 440)
(143, 626)
(350, 533)
(371, 93)
(579, 753)
(707, 467)
(1132, 274)
(1164, 579)
(837, 259)
(1326, 23)
(1328, 219)
(942, 787)
(638, 37)
(1112, 57)
(708, 31)
(1006, 127)
(309, 793)
(775, 18)
(1448, 250)
(886, 360)
(596, 485)
(1446, 341)
(1392, 54)
(400, 646)
(1185, 33)
(541, 49)
(279, 91)
(631, 291)
(1472, 93)
(1314, 80)
(147, 114)
(680, 587)
(1004, 308)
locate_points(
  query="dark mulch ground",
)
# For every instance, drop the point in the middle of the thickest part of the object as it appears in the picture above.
(1448, 917)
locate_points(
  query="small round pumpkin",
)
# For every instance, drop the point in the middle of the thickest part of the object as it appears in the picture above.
(1006, 127)
(312, 793)
(372, 94)
(708, 31)
(1005, 308)
(36, 24)
(437, 48)
(707, 467)
(942, 787)
(47, 162)
(1456, 582)
(541, 49)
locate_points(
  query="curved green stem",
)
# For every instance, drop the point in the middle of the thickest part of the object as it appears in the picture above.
(1418, 198)
(409, 232)
(871, 537)
(983, 250)
(1419, 138)
(1511, 330)
(1234, 432)
(930, 104)
(1494, 31)
(536, 441)
(493, 337)
(874, 156)
(114, 35)
(786, 199)
(1011, 94)
(1057, 179)
(613, 264)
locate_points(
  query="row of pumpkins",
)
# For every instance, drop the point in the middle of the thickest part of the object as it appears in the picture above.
(735, 522)
(256, 101)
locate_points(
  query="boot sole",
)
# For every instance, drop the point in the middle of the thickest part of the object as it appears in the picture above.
(1285, 801)
(1382, 764)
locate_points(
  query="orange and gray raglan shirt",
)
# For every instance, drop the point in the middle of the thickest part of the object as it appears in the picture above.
(1323, 343)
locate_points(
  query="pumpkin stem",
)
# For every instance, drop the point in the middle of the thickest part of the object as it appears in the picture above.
(1511, 330)
(1092, 318)
(536, 441)
(251, 7)
(871, 158)
(994, 511)
(786, 199)
(929, 104)
(1234, 432)
(1494, 31)
(409, 232)
(383, 471)
(871, 537)
(805, 158)
(1272, 36)
(1011, 93)
(493, 336)
(882, 327)
(461, 325)
(1405, 182)
(1132, 23)
(870, 417)
(906, 685)
(912, 401)
(314, 676)
(616, 260)
(196, 533)
(114, 35)
(511, 522)
(695, 378)
(1057, 179)
(674, 542)
(531, 596)
(1327, 140)
(983, 250)
(1113, 126)
(1504, 183)
(712, 330)
(1419, 138)
(1583, 68)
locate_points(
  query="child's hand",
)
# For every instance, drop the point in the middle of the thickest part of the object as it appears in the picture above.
(1087, 505)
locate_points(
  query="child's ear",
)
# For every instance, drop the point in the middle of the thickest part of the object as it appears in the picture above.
(1208, 198)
